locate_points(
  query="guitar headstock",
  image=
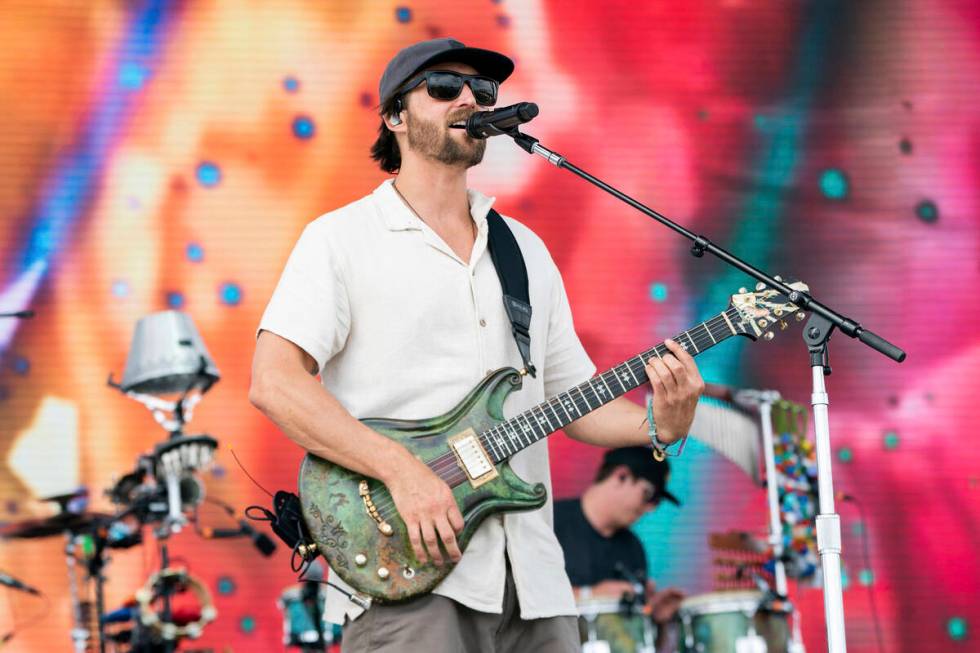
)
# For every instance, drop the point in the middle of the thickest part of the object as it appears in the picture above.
(758, 312)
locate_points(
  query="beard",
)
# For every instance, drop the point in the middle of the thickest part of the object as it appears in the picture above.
(435, 142)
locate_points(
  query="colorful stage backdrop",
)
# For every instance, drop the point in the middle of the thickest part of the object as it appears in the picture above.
(168, 154)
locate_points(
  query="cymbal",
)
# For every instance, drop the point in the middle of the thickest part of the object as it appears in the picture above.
(55, 525)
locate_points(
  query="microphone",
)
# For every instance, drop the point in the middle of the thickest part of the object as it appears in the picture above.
(262, 542)
(13, 583)
(484, 124)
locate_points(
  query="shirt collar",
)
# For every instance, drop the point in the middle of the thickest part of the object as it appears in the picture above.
(398, 216)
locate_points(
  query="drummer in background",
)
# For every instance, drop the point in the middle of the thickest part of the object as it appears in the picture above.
(603, 558)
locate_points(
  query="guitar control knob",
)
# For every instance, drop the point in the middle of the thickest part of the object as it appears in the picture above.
(360, 560)
(383, 573)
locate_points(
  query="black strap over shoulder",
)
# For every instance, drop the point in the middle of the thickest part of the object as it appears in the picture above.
(512, 272)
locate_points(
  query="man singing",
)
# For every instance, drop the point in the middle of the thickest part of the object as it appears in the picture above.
(394, 301)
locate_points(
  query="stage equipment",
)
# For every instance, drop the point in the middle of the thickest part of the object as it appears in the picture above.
(353, 519)
(303, 626)
(484, 124)
(166, 357)
(166, 624)
(817, 332)
(721, 622)
(615, 626)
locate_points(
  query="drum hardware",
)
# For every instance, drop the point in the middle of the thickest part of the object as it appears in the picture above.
(615, 626)
(302, 608)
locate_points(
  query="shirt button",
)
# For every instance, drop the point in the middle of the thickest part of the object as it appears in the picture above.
(483, 323)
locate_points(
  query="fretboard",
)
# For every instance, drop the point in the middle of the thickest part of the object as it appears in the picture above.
(521, 431)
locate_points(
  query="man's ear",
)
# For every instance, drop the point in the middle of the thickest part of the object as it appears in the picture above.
(395, 118)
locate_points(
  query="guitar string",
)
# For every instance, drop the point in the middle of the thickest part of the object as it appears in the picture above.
(446, 467)
(553, 403)
(456, 475)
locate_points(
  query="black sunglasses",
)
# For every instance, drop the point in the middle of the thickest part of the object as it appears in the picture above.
(447, 85)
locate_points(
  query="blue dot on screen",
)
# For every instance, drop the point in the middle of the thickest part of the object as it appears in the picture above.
(120, 288)
(403, 14)
(208, 174)
(230, 294)
(195, 253)
(21, 365)
(303, 127)
(247, 624)
(834, 184)
(957, 628)
(226, 585)
(658, 292)
(175, 300)
(291, 84)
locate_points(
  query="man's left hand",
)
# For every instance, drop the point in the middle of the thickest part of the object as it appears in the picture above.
(676, 384)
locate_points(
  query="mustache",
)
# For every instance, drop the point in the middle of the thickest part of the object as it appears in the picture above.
(463, 115)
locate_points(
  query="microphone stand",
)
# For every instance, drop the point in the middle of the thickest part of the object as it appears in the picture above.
(816, 334)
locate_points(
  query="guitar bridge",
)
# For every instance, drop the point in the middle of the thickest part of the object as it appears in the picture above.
(372, 510)
(472, 457)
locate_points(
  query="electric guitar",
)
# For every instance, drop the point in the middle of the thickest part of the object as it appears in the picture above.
(353, 520)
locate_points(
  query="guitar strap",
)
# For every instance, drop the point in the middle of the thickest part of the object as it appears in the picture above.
(512, 272)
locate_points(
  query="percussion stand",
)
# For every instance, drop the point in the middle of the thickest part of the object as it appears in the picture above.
(764, 400)
(822, 321)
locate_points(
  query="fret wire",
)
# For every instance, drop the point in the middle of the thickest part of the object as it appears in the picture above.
(524, 431)
(515, 436)
(568, 416)
(608, 389)
(710, 335)
(579, 388)
(549, 404)
(618, 375)
(502, 439)
(688, 334)
(487, 443)
(532, 426)
(543, 414)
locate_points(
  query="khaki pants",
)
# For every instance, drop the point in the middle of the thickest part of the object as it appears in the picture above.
(435, 624)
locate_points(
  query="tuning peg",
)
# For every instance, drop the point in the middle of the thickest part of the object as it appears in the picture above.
(778, 278)
(763, 324)
(782, 325)
(760, 286)
(769, 335)
(800, 316)
(743, 290)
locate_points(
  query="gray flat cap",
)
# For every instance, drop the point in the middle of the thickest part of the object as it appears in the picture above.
(426, 53)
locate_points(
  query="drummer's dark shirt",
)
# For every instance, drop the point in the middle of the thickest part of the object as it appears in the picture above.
(589, 557)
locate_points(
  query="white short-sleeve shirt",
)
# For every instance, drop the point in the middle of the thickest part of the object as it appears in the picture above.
(400, 327)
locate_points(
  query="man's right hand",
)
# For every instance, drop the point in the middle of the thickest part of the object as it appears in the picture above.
(428, 508)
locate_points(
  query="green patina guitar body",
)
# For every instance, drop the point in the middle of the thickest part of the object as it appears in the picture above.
(344, 530)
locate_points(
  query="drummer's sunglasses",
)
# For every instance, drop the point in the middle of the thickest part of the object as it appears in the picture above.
(447, 85)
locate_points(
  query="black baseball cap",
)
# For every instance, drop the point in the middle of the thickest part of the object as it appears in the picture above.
(427, 53)
(641, 462)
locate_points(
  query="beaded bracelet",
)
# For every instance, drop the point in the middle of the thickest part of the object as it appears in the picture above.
(660, 450)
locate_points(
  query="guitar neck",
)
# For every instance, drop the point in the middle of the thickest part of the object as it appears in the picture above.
(540, 421)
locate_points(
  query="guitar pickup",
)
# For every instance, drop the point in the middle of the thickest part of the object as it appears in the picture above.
(472, 457)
